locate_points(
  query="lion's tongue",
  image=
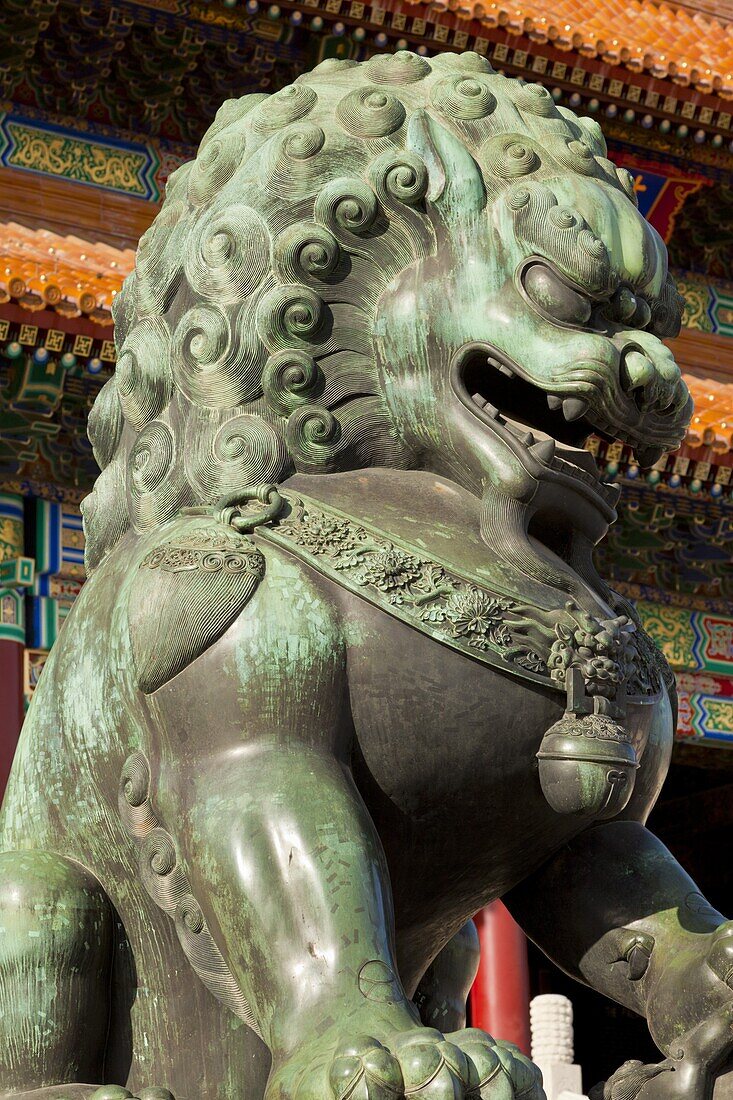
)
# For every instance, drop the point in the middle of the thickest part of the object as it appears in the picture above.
(579, 457)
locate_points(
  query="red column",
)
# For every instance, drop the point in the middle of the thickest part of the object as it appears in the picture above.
(11, 704)
(500, 995)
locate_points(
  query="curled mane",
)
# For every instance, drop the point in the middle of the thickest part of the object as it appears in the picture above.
(244, 335)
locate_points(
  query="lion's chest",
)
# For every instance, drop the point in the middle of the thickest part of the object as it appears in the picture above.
(446, 761)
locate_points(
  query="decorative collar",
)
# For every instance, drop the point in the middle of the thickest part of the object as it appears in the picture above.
(616, 662)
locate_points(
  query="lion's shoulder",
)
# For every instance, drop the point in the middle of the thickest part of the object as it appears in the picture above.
(192, 581)
(188, 588)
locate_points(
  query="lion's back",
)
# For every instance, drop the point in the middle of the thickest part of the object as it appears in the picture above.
(62, 776)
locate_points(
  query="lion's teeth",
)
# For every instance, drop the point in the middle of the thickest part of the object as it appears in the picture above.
(481, 401)
(574, 407)
(554, 401)
(544, 450)
(528, 439)
(498, 365)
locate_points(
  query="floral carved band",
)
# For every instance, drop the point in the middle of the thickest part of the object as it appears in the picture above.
(458, 610)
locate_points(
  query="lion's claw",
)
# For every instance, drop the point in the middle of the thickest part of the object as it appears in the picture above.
(431, 1066)
(364, 1070)
(629, 1080)
(494, 1060)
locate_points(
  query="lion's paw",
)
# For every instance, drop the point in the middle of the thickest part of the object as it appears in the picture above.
(119, 1092)
(668, 1080)
(628, 1081)
(424, 1064)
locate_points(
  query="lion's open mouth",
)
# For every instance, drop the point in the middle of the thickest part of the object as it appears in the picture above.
(550, 430)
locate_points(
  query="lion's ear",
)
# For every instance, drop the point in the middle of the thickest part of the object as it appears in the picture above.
(456, 187)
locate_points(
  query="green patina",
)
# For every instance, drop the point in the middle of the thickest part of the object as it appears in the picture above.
(408, 290)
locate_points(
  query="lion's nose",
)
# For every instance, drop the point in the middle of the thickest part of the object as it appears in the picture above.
(637, 375)
(652, 380)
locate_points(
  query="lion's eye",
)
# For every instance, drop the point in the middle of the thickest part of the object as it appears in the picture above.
(624, 304)
(554, 297)
(642, 315)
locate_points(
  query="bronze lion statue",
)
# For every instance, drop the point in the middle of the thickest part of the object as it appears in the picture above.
(343, 671)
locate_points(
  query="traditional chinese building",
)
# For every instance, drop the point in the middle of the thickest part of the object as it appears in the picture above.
(102, 100)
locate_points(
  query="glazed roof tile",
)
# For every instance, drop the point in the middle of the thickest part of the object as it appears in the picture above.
(690, 47)
(712, 420)
(41, 269)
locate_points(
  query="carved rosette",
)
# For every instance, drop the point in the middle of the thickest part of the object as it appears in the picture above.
(478, 617)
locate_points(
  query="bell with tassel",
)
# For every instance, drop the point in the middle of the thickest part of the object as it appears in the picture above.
(587, 763)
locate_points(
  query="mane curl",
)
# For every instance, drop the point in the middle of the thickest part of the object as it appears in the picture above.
(244, 335)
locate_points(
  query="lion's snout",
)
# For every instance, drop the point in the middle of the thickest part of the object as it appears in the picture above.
(649, 373)
(651, 382)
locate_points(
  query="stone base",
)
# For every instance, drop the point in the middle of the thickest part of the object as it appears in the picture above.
(559, 1077)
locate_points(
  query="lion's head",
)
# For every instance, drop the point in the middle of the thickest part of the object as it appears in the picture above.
(407, 263)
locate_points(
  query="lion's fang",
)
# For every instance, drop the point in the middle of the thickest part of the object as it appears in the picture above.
(544, 450)
(574, 407)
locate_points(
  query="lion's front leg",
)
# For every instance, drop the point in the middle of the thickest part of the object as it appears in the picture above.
(283, 859)
(56, 937)
(442, 993)
(286, 862)
(305, 923)
(617, 911)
